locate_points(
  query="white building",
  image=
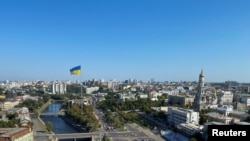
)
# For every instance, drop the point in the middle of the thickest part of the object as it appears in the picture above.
(176, 116)
(112, 84)
(154, 94)
(7, 105)
(58, 88)
(23, 112)
(127, 96)
(225, 97)
(245, 99)
(222, 118)
(142, 95)
(225, 109)
(189, 129)
(91, 90)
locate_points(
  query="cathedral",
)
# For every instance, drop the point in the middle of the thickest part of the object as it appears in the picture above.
(205, 97)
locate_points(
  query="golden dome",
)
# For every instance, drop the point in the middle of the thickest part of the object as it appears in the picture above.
(202, 74)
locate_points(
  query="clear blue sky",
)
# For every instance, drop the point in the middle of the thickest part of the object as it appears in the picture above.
(168, 40)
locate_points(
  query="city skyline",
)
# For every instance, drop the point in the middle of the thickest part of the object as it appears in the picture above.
(163, 40)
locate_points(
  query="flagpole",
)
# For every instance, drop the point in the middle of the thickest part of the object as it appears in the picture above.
(77, 71)
(81, 95)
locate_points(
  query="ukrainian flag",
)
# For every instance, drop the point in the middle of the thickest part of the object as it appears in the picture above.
(76, 70)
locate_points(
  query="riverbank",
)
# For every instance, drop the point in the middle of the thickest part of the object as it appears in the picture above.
(70, 122)
(46, 105)
(40, 131)
(40, 110)
(60, 123)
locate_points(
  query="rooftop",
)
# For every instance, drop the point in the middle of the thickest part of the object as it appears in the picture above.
(243, 123)
(8, 132)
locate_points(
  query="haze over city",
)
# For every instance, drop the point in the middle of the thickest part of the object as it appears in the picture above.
(165, 40)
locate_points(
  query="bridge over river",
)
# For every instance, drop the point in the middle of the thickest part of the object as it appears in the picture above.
(116, 135)
(76, 136)
(51, 114)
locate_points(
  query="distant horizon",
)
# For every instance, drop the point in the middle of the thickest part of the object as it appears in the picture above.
(117, 80)
(143, 39)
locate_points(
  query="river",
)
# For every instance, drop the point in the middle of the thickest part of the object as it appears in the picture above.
(58, 124)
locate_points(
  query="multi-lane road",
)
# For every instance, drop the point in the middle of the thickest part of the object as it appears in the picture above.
(133, 132)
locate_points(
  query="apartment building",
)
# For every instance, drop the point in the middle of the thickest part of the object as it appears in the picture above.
(7, 105)
(90, 90)
(225, 97)
(181, 100)
(58, 88)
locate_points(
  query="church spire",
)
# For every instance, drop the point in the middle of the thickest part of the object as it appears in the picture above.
(201, 81)
(202, 74)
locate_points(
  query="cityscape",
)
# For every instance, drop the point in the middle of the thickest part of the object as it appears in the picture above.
(120, 111)
(133, 70)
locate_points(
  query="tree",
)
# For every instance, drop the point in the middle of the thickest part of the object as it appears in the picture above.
(248, 119)
(36, 113)
(204, 119)
(1, 91)
(12, 116)
(193, 139)
(48, 126)
(105, 138)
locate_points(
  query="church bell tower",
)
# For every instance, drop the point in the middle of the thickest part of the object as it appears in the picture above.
(200, 95)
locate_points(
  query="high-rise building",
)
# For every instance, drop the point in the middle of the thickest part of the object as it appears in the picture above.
(58, 88)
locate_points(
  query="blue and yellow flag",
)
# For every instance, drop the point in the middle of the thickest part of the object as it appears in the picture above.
(76, 70)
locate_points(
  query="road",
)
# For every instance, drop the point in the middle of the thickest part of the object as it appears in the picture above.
(133, 132)
(40, 134)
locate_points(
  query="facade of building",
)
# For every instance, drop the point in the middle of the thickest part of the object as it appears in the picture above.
(189, 129)
(141, 95)
(240, 115)
(183, 101)
(225, 97)
(90, 90)
(59, 88)
(222, 118)
(7, 105)
(154, 94)
(23, 112)
(225, 109)
(176, 116)
(127, 96)
(242, 123)
(85, 101)
(16, 134)
(240, 106)
(245, 100)
(113, 85)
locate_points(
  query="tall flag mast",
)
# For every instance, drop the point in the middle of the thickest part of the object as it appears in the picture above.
(77, 71)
